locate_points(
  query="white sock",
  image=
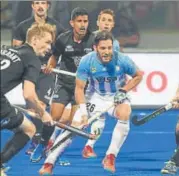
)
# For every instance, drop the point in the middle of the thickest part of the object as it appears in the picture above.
(119, 135)
(99, 127)
(53, 156)
(56, 132)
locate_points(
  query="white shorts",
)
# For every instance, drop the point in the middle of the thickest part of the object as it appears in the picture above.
(96, 104)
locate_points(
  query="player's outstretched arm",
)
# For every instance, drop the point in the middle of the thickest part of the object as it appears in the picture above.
(34, 103)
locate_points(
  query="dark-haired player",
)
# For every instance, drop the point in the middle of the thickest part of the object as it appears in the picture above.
(71, 46)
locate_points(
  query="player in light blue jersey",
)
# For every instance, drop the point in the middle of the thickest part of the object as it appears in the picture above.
(172, 166)
(106, 71)
(106, 22)
(106, 77)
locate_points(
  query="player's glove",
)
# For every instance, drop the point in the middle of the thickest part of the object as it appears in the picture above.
(120, 96)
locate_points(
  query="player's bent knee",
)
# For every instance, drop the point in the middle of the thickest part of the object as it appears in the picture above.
(30, 131)
(122, 112)
(28, 127)
(66, 114)
(57, 110)
(12, 121)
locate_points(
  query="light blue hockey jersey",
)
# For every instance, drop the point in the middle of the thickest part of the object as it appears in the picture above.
(105, 78)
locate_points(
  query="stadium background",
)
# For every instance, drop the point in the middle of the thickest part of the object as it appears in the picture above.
(154, 47)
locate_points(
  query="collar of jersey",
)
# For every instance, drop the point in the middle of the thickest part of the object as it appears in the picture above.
(46, 20)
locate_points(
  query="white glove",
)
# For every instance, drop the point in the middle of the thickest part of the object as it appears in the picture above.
(120, 96)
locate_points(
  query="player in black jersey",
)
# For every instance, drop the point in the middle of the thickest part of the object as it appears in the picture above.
(172, 166)
(71, 46)
(21, 65)
(45, 84)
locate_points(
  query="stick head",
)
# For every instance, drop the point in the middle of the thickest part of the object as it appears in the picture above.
(139, 120)
(134, 120)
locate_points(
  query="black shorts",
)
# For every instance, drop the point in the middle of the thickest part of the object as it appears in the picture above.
(45, 87)
(10, 117)
(63, 95)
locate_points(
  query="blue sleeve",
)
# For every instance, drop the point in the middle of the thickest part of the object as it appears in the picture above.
(116, 46)
(130, 67)
(83, 69)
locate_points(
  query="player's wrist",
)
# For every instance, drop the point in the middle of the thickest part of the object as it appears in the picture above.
(83, 109)
(122, 90)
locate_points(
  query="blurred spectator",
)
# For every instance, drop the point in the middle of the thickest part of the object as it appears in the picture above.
(6, 15)
(142, 9)
(22, 11)
(126, 30)
(13, 12)
(60, 12)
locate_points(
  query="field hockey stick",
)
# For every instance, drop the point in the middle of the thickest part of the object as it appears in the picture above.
(69, 135)
(59, 124)
(140, 120)
(57, 71)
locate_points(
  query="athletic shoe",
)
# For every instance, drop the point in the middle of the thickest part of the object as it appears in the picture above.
(38, 153)
(88, 152)
(46, 170)
(170, 168)
(109, 163)
(31, 148)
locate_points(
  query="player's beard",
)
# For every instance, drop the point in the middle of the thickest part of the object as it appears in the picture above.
(79, 36)
(105, 58)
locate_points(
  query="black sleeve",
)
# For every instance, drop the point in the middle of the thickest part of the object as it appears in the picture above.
(32, 68)
(18, 33)
(58, 48)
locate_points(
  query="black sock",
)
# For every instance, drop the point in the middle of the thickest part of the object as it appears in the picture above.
(38, 124)
(46, 134)
(37, 138)
(177, 137)
(39, 127)
(13, 146)
(175, 157)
